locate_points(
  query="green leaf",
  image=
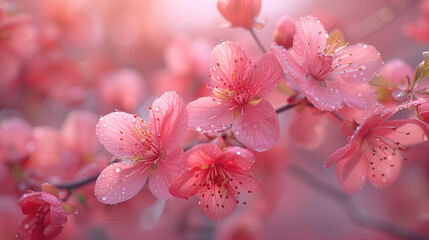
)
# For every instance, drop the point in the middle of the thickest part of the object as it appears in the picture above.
(422, 70)
(82, 199)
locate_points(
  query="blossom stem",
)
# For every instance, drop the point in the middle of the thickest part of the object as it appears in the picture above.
(285, 108)
(337, 116)
(252, 31)
(350, 207)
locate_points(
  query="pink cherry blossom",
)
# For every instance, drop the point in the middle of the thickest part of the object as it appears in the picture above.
(376, 150)
(145, 150)
(240, 87)
(46, 214)
(241, 13)
(218, 177)
(329, 74)
(285, 29)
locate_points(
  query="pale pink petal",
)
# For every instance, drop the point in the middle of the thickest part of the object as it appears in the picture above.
(215, 203)
(188, 184)
(228, 59)
(308, 128)
(168, 120)
(117, 132)
(359, 96)
(383, 169)
(352, 172)
(120, 181)
(284, 31)
(358, 63)
(244, 181)
(408, 132)
(396, 70)
(240, 158)
(165, 173)
(324, 97)
(288, 63)
(258, 127)
(310, 37)
(209, 114)
(265, 76)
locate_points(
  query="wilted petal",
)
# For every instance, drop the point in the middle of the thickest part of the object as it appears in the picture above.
(258, 127)
(120, 181)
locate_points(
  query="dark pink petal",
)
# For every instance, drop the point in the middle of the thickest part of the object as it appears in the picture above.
(359, 96)
(244, 181)
(352, 172)
(240, 13)
(209, 114)
(228, 64)
(202, 154)
(117, 132)
(238, 157)
(188, 184)
(359, 63)
(384, 169)
(265, 75)
(341, 154)
(310, 37)
(58, 220)
(120, 181)
(284, 32)
(165, 173)
(168, 120)
(217, 202)
(408, 132)
(258, 127)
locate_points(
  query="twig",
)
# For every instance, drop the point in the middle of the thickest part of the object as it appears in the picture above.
(351, 209)
(252, 31)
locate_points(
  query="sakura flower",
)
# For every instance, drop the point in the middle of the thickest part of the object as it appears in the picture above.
(240, 87)
(241, 13)
(329, 73)
(144, 149)
(218, 177)
(376, 150)
(46, 214)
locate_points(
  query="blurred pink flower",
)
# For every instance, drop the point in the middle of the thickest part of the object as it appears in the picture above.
(241, 13)
(329, 73)
(150, 149)
(16, 140)
(218, 176)
(240, 87)
(423, 111)
(46, 214)
(284, 32)
(376, 149)
(419, 30)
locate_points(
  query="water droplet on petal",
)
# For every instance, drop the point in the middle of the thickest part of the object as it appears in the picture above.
(255, 125)
(237, 133)
(104, 125)
(156, 109)
(245, 124)
(198, 129)
(211, 117)
(399, 95)
(104, 198)
(117, 169)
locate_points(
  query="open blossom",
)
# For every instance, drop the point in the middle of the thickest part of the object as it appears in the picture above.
(150, 149)
(240, 87)
(241, 13)
(328, 72)
(376, 150)
(46, 214)
(218, 177)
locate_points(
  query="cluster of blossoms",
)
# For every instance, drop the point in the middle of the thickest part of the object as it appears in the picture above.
(202, 142)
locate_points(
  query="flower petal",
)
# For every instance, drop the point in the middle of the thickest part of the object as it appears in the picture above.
(168, 119)
(321, 96)
(58, 220)
(208, 114)
(359, 96)
(188, 184)
(265, 75)
(363, 63)
(408, 132)
(165, 173)
(288, 63)
(310, 37)
(120, 181)
(241, 158)
(341, 154)
(384, 169)
(352, 172)
(117, 132)
(202, 154)
(216, 203)
(228, 62)
(258, 127)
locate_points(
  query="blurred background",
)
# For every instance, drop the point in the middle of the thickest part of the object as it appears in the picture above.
(63, 64)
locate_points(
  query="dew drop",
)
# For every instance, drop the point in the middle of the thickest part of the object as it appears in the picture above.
(104, 198)
(198, 129)
(125, 117)
(255, 125)
(156, 109)
(399, 95)
(117, 169)
(104, 125)
(425, 138)
(211, 117)
(245, 124)
(237, 133)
